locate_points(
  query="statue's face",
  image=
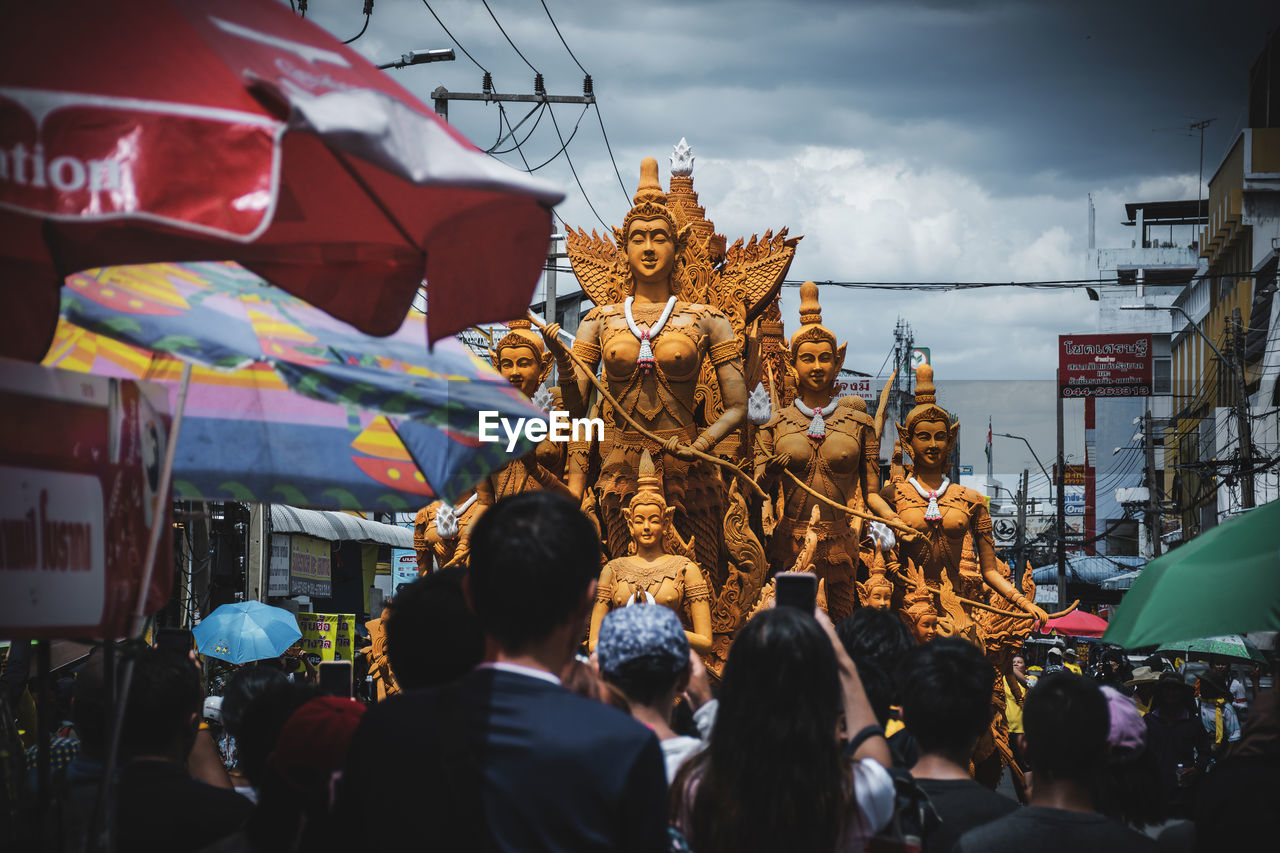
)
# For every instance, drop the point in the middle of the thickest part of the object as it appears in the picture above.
(926, 628)
(930, 444)
(647, 523)
(816, 365)
(878, 597)
(651, 250)
(521, 367)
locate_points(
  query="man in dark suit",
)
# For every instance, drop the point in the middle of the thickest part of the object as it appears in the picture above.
(507, 759)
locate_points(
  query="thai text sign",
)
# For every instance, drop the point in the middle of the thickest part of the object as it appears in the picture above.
(1110, 365)
(329, 635)
(309, 567)
(278, 571)
(80, 459)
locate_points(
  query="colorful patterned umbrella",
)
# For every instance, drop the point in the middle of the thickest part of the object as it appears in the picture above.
(288, 404)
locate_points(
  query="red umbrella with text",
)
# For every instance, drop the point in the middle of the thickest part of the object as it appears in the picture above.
(136, 131)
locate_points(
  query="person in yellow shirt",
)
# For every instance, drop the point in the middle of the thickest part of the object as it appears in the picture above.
(1070, 661)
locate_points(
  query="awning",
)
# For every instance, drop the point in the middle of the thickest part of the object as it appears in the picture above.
(338, 526)
(1087, 569)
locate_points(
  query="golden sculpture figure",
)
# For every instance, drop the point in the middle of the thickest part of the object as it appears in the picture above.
(831, 445)
(654, 333)
(655, 575)
(917, 609)
(943, 513)
(522, 360)
(379, 662)
(439, 529)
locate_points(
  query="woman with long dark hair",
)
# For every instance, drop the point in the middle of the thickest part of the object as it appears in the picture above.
(796, 760)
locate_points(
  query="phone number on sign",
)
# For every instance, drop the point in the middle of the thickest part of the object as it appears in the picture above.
(1109, 391)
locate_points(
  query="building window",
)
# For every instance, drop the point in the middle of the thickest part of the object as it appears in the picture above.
(1163, 378)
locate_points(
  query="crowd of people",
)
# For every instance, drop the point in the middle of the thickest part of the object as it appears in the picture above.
(817, 737)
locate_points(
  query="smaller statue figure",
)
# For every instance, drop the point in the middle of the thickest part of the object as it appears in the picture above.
(523, 360)
(830, 444)
(379, 662)
(654, 575)
(917, 610)
(440, 532)
(944, 514)
(878, 555)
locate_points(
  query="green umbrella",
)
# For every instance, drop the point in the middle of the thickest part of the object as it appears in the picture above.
(1226, 581)
(1227, 646)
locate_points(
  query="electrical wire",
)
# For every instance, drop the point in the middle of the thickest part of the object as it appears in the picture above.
(565, 143)
(466, 52)
(485, 3)
(565, 148)
(502, 116)
(562, 41)
(368, 14)
(609, 148)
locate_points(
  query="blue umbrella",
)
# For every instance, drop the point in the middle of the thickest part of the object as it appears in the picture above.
(246, 631)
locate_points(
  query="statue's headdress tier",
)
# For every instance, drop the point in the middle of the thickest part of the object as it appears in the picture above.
(683, 201)
(811, 329)
(926, 407)
(649, 202)
(648, 485)
(521, 335)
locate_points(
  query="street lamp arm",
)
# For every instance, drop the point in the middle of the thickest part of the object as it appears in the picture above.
(1029, 447)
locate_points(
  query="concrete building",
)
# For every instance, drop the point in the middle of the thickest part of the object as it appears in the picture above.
(1153, 270)
(1231, 304)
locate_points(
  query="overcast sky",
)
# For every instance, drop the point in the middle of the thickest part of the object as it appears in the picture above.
(907, 140)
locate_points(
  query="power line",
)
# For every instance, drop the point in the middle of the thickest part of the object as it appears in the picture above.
(565, 148)
(368, 13)
(562, 41)
(502, 116)
(452, 38)
(565, 144)
(509, 41)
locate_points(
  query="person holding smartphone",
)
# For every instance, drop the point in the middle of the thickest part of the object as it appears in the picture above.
(796, 760)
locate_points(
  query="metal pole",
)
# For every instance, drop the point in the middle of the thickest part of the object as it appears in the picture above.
(1022, 530)
(1153, 501)
(549, 304)
(1245, 427)
(1062, 509)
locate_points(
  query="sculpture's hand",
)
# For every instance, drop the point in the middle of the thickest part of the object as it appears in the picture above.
(675, 448)
(777, 463)
(551, 334)
(1036, 611)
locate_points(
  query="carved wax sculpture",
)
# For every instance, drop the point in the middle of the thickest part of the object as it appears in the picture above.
(830, 444)
(659, 319)
(655, 575)
(522, 360)
(943, 513)
(917, 609)
(379, 662)
(439, 530)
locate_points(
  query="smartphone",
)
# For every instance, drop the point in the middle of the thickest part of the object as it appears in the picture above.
(178, 640)
(336, 678)
(797, 589)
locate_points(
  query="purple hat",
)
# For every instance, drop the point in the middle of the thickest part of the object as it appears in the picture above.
(642, 630)
(1128, 732)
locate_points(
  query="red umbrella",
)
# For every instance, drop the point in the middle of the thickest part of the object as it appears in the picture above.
(134, 131)
(1077, 623)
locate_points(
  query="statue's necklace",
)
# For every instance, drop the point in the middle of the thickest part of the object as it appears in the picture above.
(818, 424)
(644, 358)
(447, 517)
(931, 513)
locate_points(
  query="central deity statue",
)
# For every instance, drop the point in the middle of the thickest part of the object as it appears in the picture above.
(653, 340)
(831, 445)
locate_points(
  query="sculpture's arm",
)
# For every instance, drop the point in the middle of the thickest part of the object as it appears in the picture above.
(604, 603)
(984, 544)
(698, 606)
(733, 387)
(575, 386)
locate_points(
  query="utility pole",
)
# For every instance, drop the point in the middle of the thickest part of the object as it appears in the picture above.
(1153, 522)
(1062, 507)
(1022, 531)
(1245, 427)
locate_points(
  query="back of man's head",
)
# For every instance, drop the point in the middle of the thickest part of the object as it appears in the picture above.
(877, 636)
(946, 697)
(1066, 721)
(643, 651)
(165, 694)
(433, 638)
(533, 556)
